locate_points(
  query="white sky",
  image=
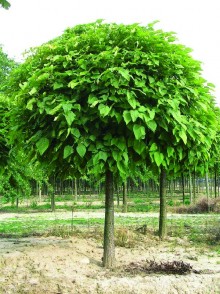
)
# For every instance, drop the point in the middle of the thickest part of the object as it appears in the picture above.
(30, 23)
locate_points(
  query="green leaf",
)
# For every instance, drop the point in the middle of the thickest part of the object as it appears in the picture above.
(81, 149)
(158, 157)
(75, 132)
(30, 103)
(134, 115)
(33, 91)
(151, 79)
(104, 109)
(57, 85)
(124, 73)
(122, 168)
(73, 84)
(66, 107)
(183, 136)
(151, 113)
(103, 155)
(153, 147)
(68, 150)
(170, 151)
(127, 116)
(152, 125)
(139, 147)
(139, 132)
(54, 110)
(70, 116)
(116, 155)
(120, 143)
(131, 99)
(42, 145)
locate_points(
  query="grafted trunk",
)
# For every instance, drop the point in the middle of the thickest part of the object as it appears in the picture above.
(109, 245)
(163, 210)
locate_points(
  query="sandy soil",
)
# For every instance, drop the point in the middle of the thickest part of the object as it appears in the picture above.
(68, 266)
(59, 266)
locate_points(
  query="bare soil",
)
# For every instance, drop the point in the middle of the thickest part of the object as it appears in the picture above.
(68, 266)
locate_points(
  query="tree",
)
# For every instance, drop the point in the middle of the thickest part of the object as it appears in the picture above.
(5, 4)
(4, 146)
(107, 98)
(6, 65)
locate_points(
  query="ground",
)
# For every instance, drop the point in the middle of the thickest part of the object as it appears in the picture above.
(67, 266)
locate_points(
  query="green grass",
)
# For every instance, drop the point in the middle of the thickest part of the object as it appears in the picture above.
(200, 229)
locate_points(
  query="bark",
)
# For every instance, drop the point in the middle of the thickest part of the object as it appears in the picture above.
(52, 200)
(75, 188)
(109, 245)
(194, 186)
(183, 187)
(190, 186)
(163, 212)
(125, 194)
(207, 187)
(215, 181)
(52, 193)
(117, 193)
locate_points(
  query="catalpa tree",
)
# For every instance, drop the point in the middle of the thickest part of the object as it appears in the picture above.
(106, 98)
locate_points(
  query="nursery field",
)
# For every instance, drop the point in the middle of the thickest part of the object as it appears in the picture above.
(61, 252)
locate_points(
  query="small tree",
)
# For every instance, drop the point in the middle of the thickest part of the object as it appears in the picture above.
(106, 98)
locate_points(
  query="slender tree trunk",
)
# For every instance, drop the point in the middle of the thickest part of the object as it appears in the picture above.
(207, 187)
(40, 193)
(117, 193)
(190, 186)
(194, 186)
(163, 212)
(215, 180)
(125, 204)
(109, 245)
(75, 188)
(183, 187)
(52, 192)
(17, 201)
(52, 200)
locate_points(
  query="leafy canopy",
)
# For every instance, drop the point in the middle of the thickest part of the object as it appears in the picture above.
(113, 96)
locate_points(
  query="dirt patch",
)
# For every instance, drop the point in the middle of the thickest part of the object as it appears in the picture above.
(69, 266)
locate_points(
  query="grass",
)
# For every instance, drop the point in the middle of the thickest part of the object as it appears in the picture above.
(199, 229)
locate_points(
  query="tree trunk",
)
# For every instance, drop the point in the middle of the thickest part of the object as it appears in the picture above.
(125, 205)
(117, 193)
(190, 186)
(207, 187)
(183, 187)
(194, 185)
(52, 193)
(40, 193)
(109, 245)
(75, 188)
(215, 180)
(52, 201)
(163, 212)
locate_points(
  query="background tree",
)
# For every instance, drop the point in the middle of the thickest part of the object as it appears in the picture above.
(107, 98)
(6, 65)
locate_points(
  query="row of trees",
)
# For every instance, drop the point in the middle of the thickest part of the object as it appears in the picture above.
(115, 101)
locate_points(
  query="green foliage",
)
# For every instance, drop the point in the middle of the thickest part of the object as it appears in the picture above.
(6, 65)
(113, 96)
(5, 4)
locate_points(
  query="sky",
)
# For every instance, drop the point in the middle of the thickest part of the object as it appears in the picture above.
(30, 23)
